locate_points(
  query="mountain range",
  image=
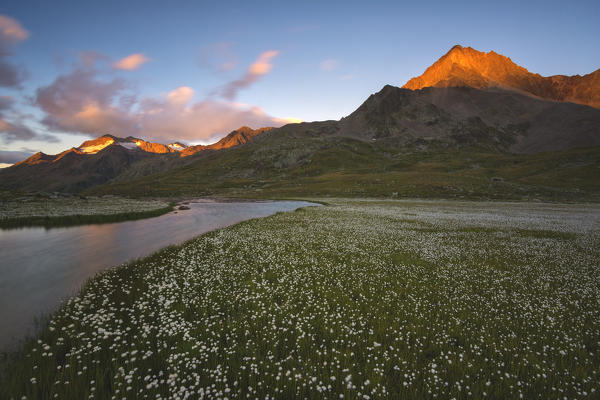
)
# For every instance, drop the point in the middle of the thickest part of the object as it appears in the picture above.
(106, 158)
(470, 116)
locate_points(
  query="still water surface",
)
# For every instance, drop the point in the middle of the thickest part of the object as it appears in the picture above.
(41, 267)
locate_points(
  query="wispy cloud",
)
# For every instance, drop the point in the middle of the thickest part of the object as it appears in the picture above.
(218, 57)
(329, 65)
(12, 127)
(11, 132)
(11, 33)
(259, 68)
(11, 75)
(8, 157)
(89, 59)
(131, 62)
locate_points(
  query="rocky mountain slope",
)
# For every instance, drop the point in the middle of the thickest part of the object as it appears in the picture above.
(464, 66)
(495, 119)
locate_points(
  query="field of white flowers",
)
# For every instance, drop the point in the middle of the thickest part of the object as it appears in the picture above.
(66, 206)
(359, 300)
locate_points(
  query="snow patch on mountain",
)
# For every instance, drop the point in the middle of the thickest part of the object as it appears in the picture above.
(176, 146)
(96, 148)
(129, 145)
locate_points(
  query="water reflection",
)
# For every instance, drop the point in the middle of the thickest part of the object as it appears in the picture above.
(40, 267)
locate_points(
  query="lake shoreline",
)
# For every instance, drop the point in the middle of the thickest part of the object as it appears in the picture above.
(42, 267)
(59, 210)
(170, 204)
(80, 219)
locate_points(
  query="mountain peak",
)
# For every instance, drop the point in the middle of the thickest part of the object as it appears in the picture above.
(475, 58)
(457, 48)
(467, 67)
(36, 158)
(239, 136)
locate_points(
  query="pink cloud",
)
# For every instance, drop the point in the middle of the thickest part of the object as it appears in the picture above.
(218, 57)
(207, 119)
(81, 102)
(181, 95)
(173, 117)
(260, 67)
(131, 62)
(11, 32)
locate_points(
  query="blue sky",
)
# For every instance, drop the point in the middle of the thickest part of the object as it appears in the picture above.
(320, 60)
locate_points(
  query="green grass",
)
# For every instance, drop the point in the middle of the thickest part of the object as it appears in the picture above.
(73, 220)
(386, 299)
(344, 167)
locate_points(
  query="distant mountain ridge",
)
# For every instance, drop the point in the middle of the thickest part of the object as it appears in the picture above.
(235, 138)
(93, 146)
(465, 66)
(109, 157)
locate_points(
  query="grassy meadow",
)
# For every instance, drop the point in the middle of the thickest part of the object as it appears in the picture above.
(26, 209)
(360, 299)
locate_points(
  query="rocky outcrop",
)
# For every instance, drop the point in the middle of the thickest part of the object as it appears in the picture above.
(493, 118)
